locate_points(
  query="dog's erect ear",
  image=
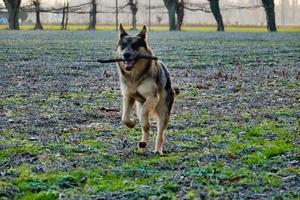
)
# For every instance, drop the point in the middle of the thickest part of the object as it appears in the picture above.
(143, 32)
(122, 31)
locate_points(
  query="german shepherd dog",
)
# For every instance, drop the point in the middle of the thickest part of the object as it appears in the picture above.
(147, 84)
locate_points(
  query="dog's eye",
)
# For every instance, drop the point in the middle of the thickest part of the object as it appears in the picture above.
(139, 43)
(123, 45)
(135, 46)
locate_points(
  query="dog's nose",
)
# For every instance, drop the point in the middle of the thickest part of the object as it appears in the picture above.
(126, 55)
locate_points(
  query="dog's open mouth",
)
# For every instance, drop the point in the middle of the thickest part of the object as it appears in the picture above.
(129, 64)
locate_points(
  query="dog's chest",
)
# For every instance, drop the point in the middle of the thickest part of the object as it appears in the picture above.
(145, 88)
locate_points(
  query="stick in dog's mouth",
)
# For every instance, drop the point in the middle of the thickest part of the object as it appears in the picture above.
(127, 60)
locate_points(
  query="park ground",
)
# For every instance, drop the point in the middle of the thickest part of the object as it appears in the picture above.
(233, 134)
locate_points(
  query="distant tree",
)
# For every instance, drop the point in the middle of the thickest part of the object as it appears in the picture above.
(158, 18)
(134, 9)
(63, 17)
(117, 14)
(93, 15)
(270, 14)
(67, 16)
(23, 15)
(215, 9)
(180, 14)
(171, 6)
(38, 24)
(13, 8)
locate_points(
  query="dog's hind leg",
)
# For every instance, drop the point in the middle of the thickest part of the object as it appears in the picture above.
(163, 111)
(127, 107)
(162, 122)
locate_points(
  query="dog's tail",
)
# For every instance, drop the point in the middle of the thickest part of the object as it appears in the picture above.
(176, 90)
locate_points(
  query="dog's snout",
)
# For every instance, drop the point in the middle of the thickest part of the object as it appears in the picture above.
(126, 55)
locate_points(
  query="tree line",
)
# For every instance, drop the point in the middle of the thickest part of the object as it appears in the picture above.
(175, 9)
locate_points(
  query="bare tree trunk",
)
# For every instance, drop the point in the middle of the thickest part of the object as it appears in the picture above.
(171, 6)
(149, 15)
(270, 15)
(117, 15)
(13, 7)
(134, 10)
(215, 9)
(93, 15)
(67, 16)
(180, 14)
(63, 17)
(38, 24)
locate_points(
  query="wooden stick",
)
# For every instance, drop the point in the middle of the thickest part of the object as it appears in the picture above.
(121, 59)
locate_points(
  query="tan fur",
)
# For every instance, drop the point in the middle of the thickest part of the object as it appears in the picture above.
(142, 87)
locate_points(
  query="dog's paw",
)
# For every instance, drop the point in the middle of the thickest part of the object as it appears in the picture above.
(142, 145)
(142, 148)
(157, 152)
(129, 123)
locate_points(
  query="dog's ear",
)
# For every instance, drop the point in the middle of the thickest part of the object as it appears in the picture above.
(122, 31)
(143, 32)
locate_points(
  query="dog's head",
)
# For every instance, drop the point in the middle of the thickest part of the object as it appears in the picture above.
(130, 46)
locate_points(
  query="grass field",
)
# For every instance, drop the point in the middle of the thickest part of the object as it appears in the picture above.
(233, 134)
(73, 27)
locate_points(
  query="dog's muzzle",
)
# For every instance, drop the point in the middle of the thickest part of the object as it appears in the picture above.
(129, 64)
(129, 61)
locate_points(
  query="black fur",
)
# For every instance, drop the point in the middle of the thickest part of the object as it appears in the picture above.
(168, 84)
(135, 46)
(123, 34)
(138, 44)
(169, 89)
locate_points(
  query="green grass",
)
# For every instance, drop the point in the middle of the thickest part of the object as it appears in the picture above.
(11, 101)
(60, 118)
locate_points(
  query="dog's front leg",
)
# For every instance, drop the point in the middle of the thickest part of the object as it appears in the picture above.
(143, 111)
(127, 107)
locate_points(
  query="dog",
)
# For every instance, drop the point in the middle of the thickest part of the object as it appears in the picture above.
(145, 83)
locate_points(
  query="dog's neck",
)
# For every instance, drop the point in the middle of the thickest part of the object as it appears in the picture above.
(136, 75)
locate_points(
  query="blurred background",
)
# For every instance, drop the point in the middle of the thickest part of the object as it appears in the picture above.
(153, 12)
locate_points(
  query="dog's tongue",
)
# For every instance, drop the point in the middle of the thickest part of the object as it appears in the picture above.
(129, 64)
